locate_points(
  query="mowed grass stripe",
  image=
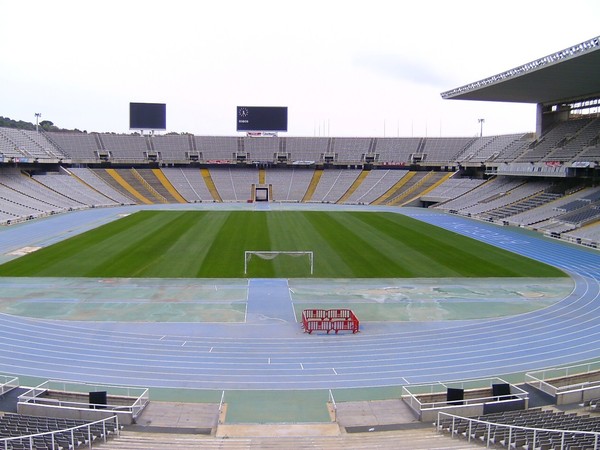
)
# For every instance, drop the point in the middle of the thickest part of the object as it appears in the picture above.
(348, 242)
(240, 231)
(306, 232)
(428, 248)
(211, 244)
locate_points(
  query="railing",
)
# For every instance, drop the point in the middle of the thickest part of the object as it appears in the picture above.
(414, 396)
(34, 396)
(539, 378)
(31, 439)
(333, 405)
(8, 383)
(512, 435)
(472, 401)
(221, 406)
(411, 392)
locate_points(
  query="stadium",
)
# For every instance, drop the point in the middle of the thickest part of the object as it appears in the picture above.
(177, 268)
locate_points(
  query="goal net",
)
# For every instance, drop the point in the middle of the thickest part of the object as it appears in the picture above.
(248, 255)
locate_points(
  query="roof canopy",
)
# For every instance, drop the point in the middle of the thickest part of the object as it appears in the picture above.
(566, 76)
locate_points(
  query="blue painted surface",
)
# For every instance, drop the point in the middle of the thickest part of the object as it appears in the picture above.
(271, 352)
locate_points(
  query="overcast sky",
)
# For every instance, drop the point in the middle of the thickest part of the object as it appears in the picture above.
(343, 68)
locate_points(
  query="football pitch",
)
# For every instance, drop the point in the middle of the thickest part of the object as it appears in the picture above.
(211, 244)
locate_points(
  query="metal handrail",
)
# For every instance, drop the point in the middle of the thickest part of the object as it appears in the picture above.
(4, 442)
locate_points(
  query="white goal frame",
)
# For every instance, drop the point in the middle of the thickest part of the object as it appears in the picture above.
(270, 254)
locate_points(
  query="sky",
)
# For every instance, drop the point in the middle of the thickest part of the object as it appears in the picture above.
(342, 67)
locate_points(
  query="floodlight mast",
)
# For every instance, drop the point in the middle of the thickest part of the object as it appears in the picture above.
(37, 117)
(481, 121)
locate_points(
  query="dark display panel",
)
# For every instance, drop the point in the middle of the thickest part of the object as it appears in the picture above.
(455, 396)
(262, 118)
(148, 116)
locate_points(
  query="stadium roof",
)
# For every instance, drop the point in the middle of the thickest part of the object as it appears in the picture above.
(568, 75)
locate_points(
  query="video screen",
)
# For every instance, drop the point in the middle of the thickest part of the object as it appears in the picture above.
(262, 118)
(147, 116)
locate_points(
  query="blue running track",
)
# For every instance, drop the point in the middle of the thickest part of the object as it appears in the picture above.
(270, 351)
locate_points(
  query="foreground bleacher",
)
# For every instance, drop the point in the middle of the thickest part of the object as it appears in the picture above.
(529, 429)
(415, 439)
(24, 432)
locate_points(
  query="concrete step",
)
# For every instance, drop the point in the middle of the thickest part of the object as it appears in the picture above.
(421, 439)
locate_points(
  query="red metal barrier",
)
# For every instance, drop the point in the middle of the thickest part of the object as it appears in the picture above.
(329, 320)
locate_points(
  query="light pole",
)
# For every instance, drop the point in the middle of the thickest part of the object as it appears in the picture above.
(37, 118)
(480, 126)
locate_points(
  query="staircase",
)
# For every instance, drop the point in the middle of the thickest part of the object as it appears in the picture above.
(124, 184)
(210, 184)
(395, 189)
(317, 174)
(361, 177)
(415, 439)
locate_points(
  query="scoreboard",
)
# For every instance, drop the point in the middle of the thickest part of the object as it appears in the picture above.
(147, 116)
(261, 118)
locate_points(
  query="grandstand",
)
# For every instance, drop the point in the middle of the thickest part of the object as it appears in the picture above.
(126, 169)
(544, 181)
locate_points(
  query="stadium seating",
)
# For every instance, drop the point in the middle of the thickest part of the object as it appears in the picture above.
(445, 149)
(333, 184)
(571, 146)
(189, 183)
(303, 149)
(397, 150)
(587, 235)
(289, 185)
(74, 189)
(234, 184)
(452, 188)
(574, 140)
(486, 192)
(92, 179)
(50, 433)
(172, 147)
(33, 193)
(29, 145)
(375, 184)
(552, 140)
(351, 149)
(77, 146)
(516, 192)
(533, 428)
(217, 148)
(515, 158)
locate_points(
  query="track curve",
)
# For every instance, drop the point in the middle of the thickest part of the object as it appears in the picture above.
(217, 357)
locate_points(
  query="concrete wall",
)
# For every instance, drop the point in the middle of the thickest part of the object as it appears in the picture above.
(578, 396)
(89, 415)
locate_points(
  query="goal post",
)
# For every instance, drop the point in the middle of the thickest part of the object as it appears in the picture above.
(268, 254)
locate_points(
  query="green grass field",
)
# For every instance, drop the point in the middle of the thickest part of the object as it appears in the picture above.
(211, 244)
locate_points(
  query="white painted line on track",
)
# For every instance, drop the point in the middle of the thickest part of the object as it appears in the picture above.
(334, 371)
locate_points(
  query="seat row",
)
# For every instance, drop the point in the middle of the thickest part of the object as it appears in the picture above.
(51, 433)
(536, 428)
